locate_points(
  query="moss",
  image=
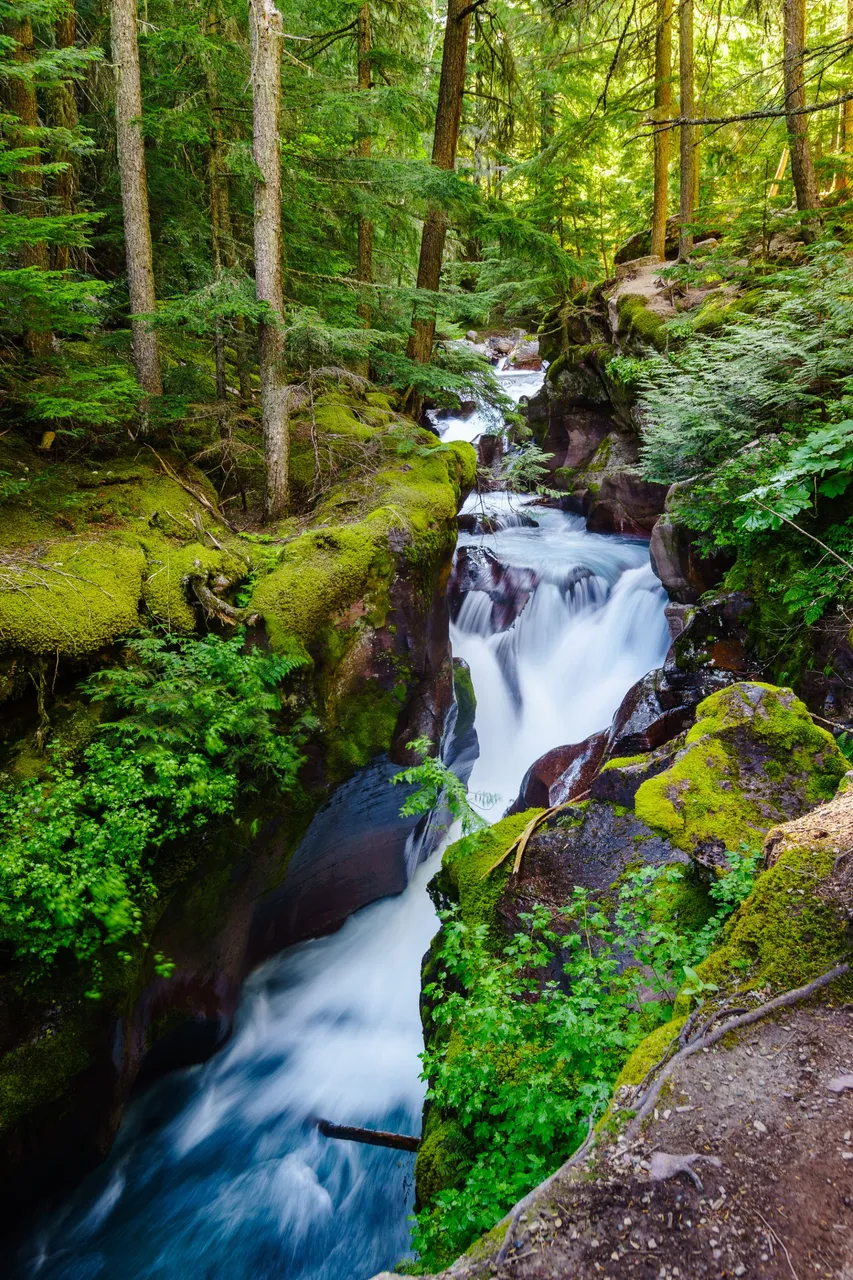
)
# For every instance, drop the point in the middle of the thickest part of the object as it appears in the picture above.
(328, 570)
(465, 865)
(719, 310)
(40, 1072)
(364, 727)
(719, 789)
(444, 1157)
(622, 762)
(82, 595)
(647, 1053)
(168, 565)
(637, 320)
(785, 933)
(466, 698)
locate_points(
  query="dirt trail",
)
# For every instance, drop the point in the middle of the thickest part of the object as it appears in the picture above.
(780, 1204)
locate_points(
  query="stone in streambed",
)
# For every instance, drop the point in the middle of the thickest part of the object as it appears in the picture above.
(561, 774)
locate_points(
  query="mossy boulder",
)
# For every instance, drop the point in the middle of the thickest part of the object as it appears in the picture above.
(753, 758)
(465, 876)
(639, 323)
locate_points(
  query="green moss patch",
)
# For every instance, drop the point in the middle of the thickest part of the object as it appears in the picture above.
(787, 932)
(753, 758)
(464, 869)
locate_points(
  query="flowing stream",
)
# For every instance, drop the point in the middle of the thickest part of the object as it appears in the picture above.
(219, 1170)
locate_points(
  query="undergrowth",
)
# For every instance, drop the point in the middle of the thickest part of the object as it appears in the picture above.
(195, 720)
(528, 1044)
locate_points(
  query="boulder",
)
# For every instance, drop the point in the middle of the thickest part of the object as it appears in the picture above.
(509, 587)
(621, 777)
(684, 571)
(625, 503)
(753, 758)
(560, 774)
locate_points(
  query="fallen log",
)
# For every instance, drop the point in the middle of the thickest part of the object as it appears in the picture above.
(373, 1137)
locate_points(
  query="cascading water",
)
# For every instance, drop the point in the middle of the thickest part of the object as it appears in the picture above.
(220, 1170)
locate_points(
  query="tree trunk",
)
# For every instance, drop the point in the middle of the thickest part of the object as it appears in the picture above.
(134, 194)
(448, 117)
(365, 226)
(266, 39)
(20, 96)
(847, 113)
(62, 104)
(687, 105)
(663, 110)
(802, 165)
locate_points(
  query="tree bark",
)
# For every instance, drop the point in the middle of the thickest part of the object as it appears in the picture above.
(802, 165)
(62, 103)
(847, 113)
(687, 106)
(20, 96)
(134, 194)
(265, 30)
(448, 117)
(663, 110)
(365, 225)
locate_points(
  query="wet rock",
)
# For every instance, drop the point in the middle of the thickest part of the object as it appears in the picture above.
(826, 686)
(509, 587)
(625, 503)
(560, 774)
(621, 778)
(651, 713)
(684, 572)
(490, 450)
(714, 637)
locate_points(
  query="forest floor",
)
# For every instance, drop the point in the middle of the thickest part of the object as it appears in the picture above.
(780, 1203)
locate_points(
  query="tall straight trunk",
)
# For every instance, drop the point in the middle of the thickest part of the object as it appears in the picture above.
(220, 206)
(802, 165)
(687, 105)
(134, 194)
(847, 112)
(265, 31)
(221, 227)
(62, 104)
(365, 226)
(448, 118)
(663, 109)
(20, 98)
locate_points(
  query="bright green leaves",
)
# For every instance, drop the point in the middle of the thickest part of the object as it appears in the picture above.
(199, 720)
(821, 465)
(526, 1045)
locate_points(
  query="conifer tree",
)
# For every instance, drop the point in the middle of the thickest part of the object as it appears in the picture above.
(448, 117)
(134, 195)
(266, 39)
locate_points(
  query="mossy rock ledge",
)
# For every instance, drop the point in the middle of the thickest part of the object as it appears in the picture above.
(357, 590)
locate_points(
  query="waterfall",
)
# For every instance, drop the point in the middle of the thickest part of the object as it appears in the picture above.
(219, 1170)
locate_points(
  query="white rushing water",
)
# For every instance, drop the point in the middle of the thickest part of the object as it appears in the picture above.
(219, 1171)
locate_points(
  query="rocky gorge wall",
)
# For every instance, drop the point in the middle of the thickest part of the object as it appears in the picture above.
(357, 588)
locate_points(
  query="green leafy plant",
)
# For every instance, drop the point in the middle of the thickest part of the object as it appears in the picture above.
(527, 1043)
(437, 787)
(78, 848)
